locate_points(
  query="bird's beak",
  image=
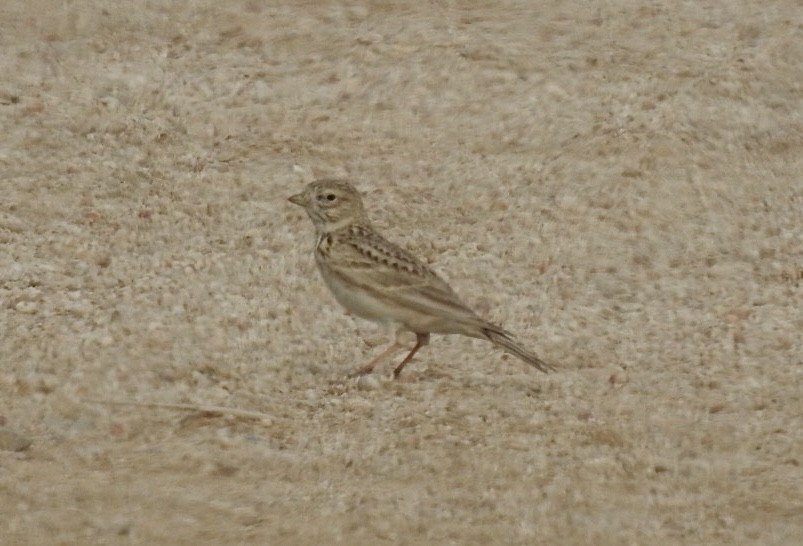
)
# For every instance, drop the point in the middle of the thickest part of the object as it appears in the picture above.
(299, 199)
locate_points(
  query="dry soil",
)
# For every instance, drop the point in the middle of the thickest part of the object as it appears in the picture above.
(620, 183)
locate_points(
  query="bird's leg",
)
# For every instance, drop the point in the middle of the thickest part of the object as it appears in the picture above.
(368, 368)
(420, 341)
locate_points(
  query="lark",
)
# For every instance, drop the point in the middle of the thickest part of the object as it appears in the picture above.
(379, 281)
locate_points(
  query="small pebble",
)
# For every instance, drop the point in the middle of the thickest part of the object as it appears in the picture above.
(368, 382)
(27, 307)
(11, 441)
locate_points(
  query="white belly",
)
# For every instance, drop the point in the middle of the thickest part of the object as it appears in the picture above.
(360, 302)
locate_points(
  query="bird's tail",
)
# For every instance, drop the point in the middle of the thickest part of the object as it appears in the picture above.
(503, 339)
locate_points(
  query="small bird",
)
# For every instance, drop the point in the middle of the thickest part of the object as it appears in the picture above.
(379, 281)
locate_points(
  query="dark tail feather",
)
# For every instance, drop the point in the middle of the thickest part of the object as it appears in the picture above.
(502, 339)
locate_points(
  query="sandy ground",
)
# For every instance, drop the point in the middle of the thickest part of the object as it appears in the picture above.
(619, 183)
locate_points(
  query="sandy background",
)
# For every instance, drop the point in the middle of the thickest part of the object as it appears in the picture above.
(619, 183)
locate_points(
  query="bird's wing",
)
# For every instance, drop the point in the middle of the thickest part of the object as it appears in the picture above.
(374, 263)
(409, 291)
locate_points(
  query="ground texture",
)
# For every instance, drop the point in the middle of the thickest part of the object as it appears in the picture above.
(619, 183)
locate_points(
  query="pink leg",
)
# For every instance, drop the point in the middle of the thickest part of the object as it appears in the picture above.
(368, 368)
(420, 341)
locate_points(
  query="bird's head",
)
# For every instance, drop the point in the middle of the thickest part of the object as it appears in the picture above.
(331, 204)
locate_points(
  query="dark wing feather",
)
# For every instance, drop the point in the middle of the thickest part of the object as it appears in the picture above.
(403, 276)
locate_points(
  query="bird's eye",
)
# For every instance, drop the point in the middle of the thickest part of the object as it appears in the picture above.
(331, 197)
